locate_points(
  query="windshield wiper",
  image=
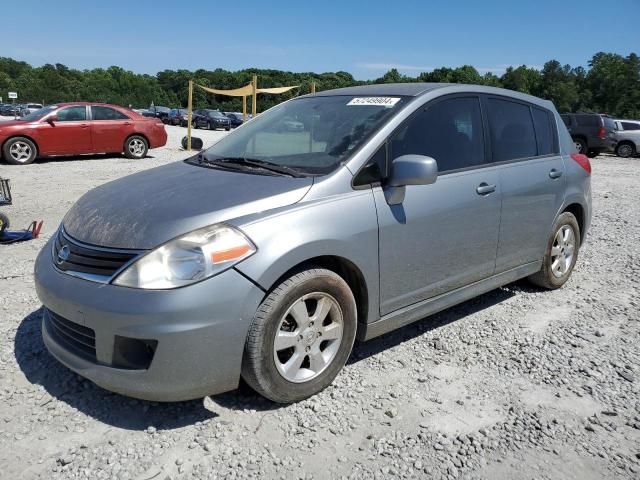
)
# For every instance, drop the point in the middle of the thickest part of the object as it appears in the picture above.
(254, 162)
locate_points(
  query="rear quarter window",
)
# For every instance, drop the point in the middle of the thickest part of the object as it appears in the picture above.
(630, 126)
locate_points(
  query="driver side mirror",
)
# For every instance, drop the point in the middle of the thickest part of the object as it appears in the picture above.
(413, 170)
(52, 119)
(409, 170)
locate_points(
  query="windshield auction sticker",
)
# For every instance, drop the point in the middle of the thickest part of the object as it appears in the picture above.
(375, 101)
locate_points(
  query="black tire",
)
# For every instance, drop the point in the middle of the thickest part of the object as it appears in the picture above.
(227, 128)
(581, 144)
(136, 146)
(625, 149)
(546, 278)
(4, 222)
(209, 126)
(259, 368)
(29, 149)
(593, 153)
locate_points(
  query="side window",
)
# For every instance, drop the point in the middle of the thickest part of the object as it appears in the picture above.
(543, 124)
(72, 114)
(588, 120)
(512, 134)
(566, 119)
(630, 126)
(449, 131)
(106, 113)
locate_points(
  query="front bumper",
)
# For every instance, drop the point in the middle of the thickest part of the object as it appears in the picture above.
(200, 331)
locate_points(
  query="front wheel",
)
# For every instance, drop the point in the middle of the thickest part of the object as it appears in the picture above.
(19, 151)
(301, 336)
(561, 253)
(625, 150)
(136, 147)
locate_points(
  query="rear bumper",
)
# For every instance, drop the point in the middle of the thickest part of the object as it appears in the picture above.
(200, 331)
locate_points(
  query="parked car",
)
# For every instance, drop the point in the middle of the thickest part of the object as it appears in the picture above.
(235, 118)
(158, 111)
(9, 110)
(210, 119)
(628, 138)
(178, 116)
(79, 128)
(29, 108)
(265, 256)
(592, 133)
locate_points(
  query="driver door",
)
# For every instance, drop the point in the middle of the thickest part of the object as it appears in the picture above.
(70, 134)
(441, 236)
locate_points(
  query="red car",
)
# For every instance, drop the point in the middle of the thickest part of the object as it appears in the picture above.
(79, 128)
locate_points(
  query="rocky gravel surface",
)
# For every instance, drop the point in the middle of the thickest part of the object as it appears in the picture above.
(518, 383)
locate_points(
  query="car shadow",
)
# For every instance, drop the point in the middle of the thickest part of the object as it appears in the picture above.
(41, 368)
(87, 158)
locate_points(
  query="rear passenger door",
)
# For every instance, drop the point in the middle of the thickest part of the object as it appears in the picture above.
(442, 236)
(524, 144)
(109, 129)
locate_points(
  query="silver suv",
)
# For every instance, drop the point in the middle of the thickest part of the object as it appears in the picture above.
(267, 255)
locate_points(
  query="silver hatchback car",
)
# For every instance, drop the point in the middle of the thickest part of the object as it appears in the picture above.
(267, 255)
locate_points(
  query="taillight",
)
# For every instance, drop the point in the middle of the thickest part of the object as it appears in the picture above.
(583, 161)
(602, 133)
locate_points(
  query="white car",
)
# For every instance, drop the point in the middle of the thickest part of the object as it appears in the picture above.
(30, 108)
(628, 136)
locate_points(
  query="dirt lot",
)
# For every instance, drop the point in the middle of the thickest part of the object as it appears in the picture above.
(518, 383)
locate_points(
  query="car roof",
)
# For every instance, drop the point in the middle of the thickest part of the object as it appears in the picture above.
(401, 89)
(416, 90)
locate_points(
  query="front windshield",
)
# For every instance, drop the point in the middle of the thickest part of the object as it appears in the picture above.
(38, 114)
(312, 135)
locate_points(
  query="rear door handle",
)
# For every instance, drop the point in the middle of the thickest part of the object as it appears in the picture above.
(555, 173)
(485, 189)
(127, 123)
(84, 125)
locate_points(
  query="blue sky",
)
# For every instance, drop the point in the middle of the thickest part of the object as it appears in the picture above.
(365, 38)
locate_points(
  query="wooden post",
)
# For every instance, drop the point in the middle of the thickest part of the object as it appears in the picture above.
(190, 107)
(254, 93)
(313, 87)
(244, 108)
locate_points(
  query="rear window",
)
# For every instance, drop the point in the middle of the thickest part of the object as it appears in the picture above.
(566, 119)
(544, 131)
(512, 133)
(588, 120)
(609, 123)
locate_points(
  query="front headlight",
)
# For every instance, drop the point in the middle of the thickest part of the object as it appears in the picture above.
(188, 259)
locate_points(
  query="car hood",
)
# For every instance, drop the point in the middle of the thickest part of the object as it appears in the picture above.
(146, 209)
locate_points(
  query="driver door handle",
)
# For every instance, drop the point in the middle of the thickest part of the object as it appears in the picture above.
(555, 173)
(485, 189)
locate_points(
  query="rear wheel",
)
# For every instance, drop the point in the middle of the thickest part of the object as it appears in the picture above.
(625, 150)
(561, 254)
(580, 145)
(19, 151)
(136, 147)
(301, 336)
(209, 126)
(4, 222)
(593, 153)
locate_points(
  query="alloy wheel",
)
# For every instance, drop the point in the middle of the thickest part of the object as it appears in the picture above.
(308, 337)
(625, 151)
(136, 147)
(20, 152)
(563, 250)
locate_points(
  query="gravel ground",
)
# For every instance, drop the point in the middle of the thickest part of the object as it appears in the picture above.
(517, 383)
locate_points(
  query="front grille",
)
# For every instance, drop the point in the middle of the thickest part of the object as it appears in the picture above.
(77, 338)
(74, 256)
